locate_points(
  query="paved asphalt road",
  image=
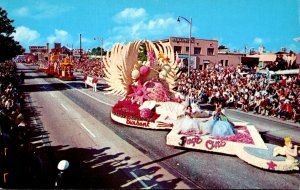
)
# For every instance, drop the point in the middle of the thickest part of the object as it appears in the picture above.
(76, 123)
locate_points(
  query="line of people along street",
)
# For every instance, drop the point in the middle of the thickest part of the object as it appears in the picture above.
(18, 163)
(252, 93)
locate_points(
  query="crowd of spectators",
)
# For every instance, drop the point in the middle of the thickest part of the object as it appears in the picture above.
(89, 67)
(224, 85)
(15, 150)
(250, 93)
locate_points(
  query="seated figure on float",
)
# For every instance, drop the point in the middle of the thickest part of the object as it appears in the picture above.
(218, 125)
(290, 151)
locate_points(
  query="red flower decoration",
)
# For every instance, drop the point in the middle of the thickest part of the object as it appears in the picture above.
(145, 113)
(271, 165)
(127, 109)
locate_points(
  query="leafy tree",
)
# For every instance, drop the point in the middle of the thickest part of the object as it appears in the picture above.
(97, 51)
(222, 47)
(9, 48)
(142, 56)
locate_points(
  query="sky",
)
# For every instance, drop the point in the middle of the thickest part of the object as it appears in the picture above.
(236, 24)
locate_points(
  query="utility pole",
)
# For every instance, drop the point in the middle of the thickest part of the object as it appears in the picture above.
(80, 50)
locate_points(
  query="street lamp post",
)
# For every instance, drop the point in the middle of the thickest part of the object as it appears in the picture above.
(101, 39)
(190, 38)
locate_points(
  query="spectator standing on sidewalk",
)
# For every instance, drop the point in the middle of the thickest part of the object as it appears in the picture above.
(95, 80)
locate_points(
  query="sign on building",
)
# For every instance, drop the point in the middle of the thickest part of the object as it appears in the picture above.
(185, 40)
(184, 60)
(34, 49)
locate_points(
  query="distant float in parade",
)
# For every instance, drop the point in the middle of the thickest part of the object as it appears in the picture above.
(58, 65)
(147, 83)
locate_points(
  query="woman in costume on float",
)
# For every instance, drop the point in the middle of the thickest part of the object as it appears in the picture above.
(219, 125)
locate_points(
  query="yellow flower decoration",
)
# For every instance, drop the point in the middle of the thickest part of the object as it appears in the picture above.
(161, 55)
(163, 58)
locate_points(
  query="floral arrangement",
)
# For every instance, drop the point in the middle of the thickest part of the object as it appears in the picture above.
(140, 71)
(149, 79)
(127, 109)
(145, 113)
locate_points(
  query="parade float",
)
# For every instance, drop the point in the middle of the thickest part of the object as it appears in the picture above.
(51, 67)
(65, 69)
(146, 85)
(54, 62)
(43, 66)
(149, 102)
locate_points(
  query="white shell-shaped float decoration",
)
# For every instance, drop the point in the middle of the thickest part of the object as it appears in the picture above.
(122, 60)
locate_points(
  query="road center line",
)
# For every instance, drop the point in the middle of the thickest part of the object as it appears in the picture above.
(64, 107)
(92, 134)
(139, 180)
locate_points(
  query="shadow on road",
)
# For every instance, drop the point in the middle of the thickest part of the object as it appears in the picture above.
(93, 168)
(57, 87)
(89, 167)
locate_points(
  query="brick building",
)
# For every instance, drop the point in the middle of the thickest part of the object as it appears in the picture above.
(203, 52)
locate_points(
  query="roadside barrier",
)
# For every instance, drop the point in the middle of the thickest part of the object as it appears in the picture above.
(90, 81)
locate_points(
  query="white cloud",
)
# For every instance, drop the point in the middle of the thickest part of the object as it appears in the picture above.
(60, 36)
(154, 28)
(46, 10)
(258, 41)
(25, 35)
(40, 10)
(133, 24)
(23, 11)
(130, 14)
(297, 39)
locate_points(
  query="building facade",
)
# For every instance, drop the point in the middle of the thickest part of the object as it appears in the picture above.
(206, 52)
(203, 52)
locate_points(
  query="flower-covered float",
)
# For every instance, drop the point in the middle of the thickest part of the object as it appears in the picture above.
(150, 102)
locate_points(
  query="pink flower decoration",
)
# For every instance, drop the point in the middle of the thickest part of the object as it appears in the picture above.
(151, 57)
(178, 60)
(139, 94)
(158, 91)
(144, 70)
(145, 113)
